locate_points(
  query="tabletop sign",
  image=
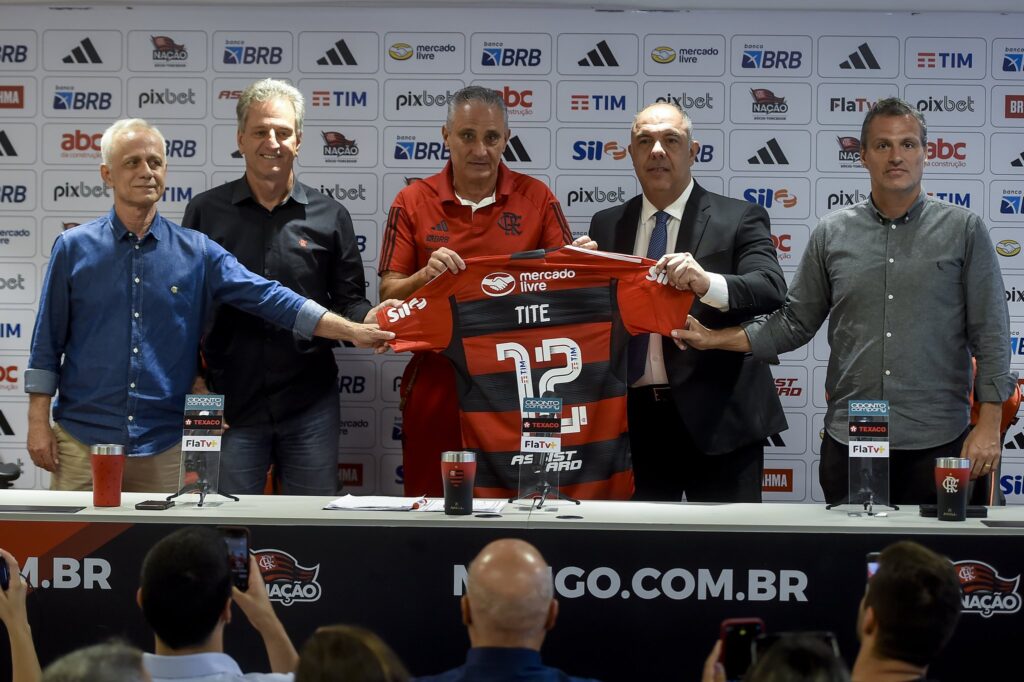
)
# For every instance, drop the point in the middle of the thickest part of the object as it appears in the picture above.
(869, 428)
(542, 425)
(202, 430)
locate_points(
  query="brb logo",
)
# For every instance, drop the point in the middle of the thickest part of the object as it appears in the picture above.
(756, 57)
(237, 52)
(287, 581)
(70, 100)
(985, 592)
(408, 149)
(496, 54)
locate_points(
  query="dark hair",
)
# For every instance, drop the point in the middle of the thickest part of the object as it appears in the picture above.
(186, 581)
(351, 653)
(915, 595)
(476, 93)
(891, 106)
(798, 657)
(112, 661)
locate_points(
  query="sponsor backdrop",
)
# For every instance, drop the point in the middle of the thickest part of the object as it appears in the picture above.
(677, 586)
(777, 100)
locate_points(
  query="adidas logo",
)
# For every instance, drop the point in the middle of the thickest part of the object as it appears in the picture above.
(6, 148)
(85, 53)
(1016, 163)
(862, 59)
(515, 151)
(339, 55)
(5, 426)
(770, 154)
(601, 55)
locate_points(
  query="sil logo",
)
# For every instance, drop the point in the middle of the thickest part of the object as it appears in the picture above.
(287, 582)
(498, 284)
(985, 591)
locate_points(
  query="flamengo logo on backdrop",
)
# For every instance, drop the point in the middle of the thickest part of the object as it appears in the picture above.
(985, 592)
(287, 581)
(703, 584)
(166, 50)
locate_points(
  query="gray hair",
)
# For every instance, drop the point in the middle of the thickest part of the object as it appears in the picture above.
(892, 106)
(107, 662)
(476, 93)
(687, 123)
(124, 125)
(266, 90)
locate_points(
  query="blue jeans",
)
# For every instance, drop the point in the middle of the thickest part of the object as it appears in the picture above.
(303, 449)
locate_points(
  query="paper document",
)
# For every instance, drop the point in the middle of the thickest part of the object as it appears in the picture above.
(376, 503)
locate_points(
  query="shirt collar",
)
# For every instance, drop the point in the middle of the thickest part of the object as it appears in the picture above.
(157, 228)
(502, 656)
(446, 188)
(911, 213)
(675, 209)
(191, 665)
(242, 193)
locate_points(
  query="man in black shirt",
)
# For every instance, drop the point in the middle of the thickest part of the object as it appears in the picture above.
(281, 392)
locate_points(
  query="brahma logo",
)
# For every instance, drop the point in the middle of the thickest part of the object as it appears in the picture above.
(1014, 106)
(400, 51)
(498, 284)
(777, 481)
(986, 592)
(287, 581)
(350, 474)
(1008, 248)
(663, 55)
(12, 96)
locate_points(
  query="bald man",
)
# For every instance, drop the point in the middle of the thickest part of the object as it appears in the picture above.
(508, 609)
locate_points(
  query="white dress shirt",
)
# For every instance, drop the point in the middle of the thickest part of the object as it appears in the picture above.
(717, 295)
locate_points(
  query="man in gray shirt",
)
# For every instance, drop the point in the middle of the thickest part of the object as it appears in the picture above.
(912, 291)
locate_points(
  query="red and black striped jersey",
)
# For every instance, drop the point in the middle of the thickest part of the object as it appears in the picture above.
(537, 324)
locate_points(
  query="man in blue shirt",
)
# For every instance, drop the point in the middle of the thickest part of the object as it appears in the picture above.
(508, 609)
(122, 309)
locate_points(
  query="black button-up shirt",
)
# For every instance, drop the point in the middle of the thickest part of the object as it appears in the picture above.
(308, 244)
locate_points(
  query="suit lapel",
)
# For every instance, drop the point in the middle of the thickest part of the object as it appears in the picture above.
(625, 230)
(694, 221)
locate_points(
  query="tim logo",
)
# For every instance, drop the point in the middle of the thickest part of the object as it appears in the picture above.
(510, 224)
(985, 591)
(287, 581)
(498, 284)
(771, 59)
(336, 144)
(166, 50)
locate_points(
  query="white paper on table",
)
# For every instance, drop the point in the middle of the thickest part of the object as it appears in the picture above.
(480, 506)
(375, 503)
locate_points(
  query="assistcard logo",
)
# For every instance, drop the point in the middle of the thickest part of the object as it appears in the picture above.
(498, 284)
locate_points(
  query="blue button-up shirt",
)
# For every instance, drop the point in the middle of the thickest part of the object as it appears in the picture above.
(119, 322)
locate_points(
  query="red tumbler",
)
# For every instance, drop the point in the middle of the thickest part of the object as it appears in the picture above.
(107, 472)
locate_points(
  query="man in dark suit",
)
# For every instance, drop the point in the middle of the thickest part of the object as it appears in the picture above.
(697, 419)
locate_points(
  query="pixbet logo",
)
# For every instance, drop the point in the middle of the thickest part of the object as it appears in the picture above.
(841, 198)
(167, 97)
(687, 101)
(79, 191)
(934, 104)
(596, 196)
(424, 99)
(339, 193)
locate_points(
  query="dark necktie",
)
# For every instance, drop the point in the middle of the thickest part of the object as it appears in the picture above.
(637, 355)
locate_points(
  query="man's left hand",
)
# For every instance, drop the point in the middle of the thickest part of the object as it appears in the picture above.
(585, 242)
(684, 273)
(371, 317)
(983, 445)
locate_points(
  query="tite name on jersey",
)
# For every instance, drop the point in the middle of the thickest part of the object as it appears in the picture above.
(558, 461)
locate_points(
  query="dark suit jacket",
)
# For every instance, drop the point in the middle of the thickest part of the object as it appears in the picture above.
(726, 399)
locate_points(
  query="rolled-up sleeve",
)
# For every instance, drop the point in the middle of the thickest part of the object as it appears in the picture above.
(49, 335)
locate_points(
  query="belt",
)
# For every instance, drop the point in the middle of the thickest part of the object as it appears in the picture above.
(650, 393)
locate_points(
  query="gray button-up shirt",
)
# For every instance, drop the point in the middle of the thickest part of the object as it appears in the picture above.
(909, 300)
